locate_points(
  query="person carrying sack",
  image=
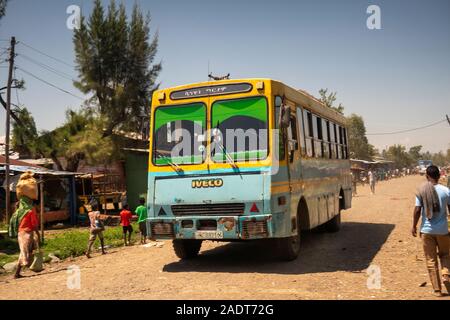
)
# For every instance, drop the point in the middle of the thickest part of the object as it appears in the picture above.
(24, 223)
(432, 202)
(96, 229)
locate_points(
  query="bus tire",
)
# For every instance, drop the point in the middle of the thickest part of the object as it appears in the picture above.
(288, 248)
(334, 225)
(186, 249)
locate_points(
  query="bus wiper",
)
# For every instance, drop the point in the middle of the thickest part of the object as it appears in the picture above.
(228, 156)
(176, 167)
(230, 160)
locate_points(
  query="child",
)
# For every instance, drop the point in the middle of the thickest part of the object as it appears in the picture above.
(125, 221)
(141, 212)
(96, 229)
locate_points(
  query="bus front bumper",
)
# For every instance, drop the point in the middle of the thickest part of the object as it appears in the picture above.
(211, 227)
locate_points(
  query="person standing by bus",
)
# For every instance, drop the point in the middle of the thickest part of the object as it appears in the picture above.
(432, 202)
(125, 222)
(372, 181)
(141, 212)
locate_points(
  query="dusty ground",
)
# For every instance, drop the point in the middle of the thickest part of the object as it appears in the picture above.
(375, 232)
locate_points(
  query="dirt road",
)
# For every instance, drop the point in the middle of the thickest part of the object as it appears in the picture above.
(375, 235)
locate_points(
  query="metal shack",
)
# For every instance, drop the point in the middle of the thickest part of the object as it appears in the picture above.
(60, 200)
(136, 168)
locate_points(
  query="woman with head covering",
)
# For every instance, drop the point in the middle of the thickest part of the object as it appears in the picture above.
(24, 222)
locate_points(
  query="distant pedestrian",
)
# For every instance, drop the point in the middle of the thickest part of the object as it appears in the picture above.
(372, 181)
(96, 229)
(125, 222)
(141, 212)
(432, 202)
(354, 191)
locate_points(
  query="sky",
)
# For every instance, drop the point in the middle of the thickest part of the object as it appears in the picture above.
(396, 78)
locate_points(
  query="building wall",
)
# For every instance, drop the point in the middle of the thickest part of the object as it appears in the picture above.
(136, 168)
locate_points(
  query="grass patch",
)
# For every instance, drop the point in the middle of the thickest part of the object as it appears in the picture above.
(71, 243)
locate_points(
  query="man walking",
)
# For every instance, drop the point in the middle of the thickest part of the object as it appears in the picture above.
(372, 181)
(432, 202)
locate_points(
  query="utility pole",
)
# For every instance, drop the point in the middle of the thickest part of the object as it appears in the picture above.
(8, 113)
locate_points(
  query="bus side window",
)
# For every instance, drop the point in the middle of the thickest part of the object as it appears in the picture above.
(332, 140)
(326, 140)
(317, 142)
(307, 122)
(281, 151)
(292, 138)
(336, 136)
(346, 143)
(341, 143)
(301, 131)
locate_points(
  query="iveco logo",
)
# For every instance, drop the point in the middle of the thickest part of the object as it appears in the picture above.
(207, 183)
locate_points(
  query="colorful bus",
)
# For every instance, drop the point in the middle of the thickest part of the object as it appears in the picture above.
(289, 169)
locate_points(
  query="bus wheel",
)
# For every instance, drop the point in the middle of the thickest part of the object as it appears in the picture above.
(334, 225)
(289, 248)
(186, 249)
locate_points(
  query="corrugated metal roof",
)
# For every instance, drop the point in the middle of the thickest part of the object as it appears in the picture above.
(38, 170)
(17, 162)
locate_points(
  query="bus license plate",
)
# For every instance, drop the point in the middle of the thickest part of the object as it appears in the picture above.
(209, 235)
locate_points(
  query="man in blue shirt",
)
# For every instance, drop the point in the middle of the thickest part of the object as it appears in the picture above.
(432, 203)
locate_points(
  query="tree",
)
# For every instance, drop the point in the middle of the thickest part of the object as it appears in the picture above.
(56, 144)
(439, 159)
(3, 4)
(358, 144)
(329, 100)
(114, 60)
(24, 133)
(79, 138)
(415, 153)
(398, 154)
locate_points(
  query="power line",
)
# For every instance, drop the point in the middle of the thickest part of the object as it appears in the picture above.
(47, 67)
(50, 84)
(409, 130)
(47, 55)
(17, 90)
(5, 50)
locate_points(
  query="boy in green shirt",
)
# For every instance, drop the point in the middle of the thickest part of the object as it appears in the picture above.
(141, 212)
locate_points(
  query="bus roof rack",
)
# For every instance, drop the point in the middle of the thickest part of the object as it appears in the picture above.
(226, 77)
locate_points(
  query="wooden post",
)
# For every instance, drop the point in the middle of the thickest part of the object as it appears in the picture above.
(7, 134)
(41, 191)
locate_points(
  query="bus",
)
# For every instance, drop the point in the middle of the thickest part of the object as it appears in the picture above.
(422, 165)
(289, 169)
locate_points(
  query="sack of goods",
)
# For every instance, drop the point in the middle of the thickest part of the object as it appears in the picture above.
(27, 186)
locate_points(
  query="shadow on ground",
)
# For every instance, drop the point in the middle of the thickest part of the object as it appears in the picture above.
(352, 249)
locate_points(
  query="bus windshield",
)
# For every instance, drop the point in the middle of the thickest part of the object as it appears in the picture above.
(239, 129)
(425, 163)
(179, 134)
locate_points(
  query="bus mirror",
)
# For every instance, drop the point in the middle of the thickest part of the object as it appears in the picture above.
(285, 117)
